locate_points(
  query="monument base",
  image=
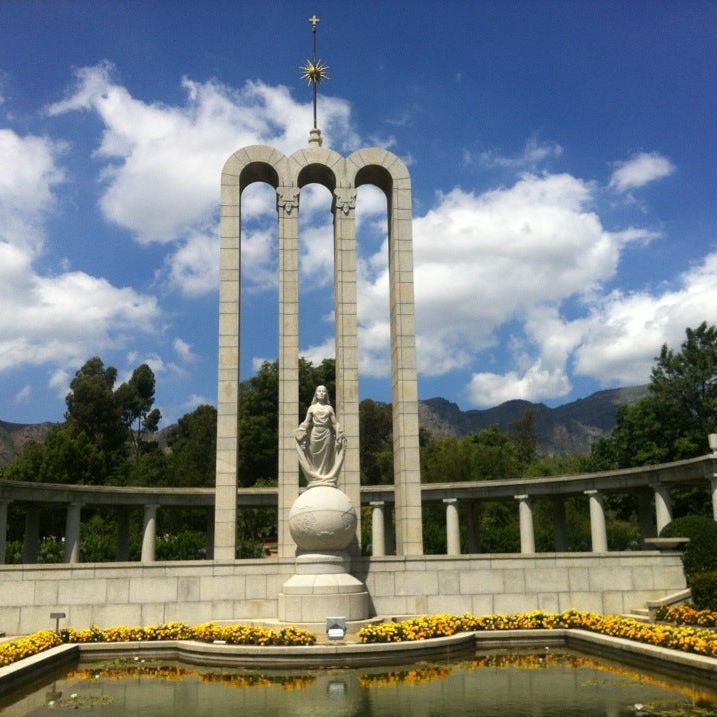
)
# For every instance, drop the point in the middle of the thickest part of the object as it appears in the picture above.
(321, 588)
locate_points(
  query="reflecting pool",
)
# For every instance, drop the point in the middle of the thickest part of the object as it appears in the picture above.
(546, 684)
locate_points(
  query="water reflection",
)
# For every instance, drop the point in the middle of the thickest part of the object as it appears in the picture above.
(497, 684)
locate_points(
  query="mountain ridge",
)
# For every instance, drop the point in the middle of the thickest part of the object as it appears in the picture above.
(570, 428)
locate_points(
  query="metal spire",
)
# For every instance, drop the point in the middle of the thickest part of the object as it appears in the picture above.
(314, 71)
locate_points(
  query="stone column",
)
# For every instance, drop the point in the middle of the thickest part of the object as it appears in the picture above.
(378, 538)
(72, 532)
(287, 202)
(713, 491)
(525, 514)
(149, 533)
(210, 536)
(406, 455)
(225, 513)
(663, 506)
(3, 530)
(31, 539)
(473, 516)
(598, 531)
(122, 553)
(645, 515)
(389, 529)
(453, 531)
(347, 376)
(559, 525)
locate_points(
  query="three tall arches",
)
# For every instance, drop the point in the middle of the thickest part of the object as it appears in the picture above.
(341, 176)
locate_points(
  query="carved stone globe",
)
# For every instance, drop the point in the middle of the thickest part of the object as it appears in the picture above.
(322, 518)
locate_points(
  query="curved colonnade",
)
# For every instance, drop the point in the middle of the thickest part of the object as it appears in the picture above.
(651, 484)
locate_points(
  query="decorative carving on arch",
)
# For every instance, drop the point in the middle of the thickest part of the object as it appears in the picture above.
(344, 200)
(287, 199)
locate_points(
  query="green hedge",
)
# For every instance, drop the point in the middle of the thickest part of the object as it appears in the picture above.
(704, 590)
(701, 552)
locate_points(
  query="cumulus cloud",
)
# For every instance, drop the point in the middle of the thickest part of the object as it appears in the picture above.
(30, 173)
(625, 330)
(50, 319)
(614, 343)
(316, 354)
(482, 260)
(639, 170)
(162, 162)
(184, 350)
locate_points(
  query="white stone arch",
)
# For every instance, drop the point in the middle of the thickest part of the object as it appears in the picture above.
(341, 176)
(389, 173)
(257, 163)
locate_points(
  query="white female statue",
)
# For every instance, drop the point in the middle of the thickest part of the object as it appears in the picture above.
(320, 442)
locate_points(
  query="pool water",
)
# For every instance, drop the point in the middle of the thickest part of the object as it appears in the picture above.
(545, 684)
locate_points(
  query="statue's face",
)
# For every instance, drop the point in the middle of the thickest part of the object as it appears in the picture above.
(321, 393)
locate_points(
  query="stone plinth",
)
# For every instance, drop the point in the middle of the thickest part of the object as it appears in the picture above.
(321, 588)
(322, 521)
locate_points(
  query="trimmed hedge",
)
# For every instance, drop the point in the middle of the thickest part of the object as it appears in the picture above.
(701, 552)
(704, 590)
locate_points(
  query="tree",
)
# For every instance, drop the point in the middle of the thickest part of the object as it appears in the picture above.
(525, 442)
(673, 421)
(92, 409)
(91, 446)
(259, 416)
(193, 448)
(65, 456)
(134, 400)
(375, 442)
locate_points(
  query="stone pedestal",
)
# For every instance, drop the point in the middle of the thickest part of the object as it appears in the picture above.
(321, 588)
(322, 522)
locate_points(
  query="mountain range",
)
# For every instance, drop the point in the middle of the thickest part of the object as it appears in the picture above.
(571, 428)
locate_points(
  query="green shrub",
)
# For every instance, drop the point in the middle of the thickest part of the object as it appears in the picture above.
(704, 590)
(701, 552)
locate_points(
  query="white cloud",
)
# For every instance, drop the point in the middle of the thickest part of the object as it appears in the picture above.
(29, 173)
(59, 381)
(625, 331)
(640, 170)
(614, 343)
(316, 354)
(195, 400)
(193, 269)
(484, 260)
(23, 395)
(184, 350)
(533, 154)
(53, 319)
(163, 161)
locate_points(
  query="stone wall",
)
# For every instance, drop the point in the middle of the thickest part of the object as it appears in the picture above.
(130, 594)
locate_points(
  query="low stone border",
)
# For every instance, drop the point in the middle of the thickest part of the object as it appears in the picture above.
(31, 668)
(339, 654)
(662, 659)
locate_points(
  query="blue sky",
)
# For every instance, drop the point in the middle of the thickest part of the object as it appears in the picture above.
(563, 160)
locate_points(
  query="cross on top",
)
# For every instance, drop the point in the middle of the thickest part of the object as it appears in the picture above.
(314, 22)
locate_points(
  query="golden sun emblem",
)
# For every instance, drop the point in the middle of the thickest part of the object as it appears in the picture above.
(314, 71)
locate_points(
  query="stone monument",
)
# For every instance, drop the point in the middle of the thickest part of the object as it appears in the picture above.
(322, 522)
(320, 528)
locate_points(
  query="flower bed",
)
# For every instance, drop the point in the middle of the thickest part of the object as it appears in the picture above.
(686, 639)
(686, 615)
(677, 637)
(14, 650)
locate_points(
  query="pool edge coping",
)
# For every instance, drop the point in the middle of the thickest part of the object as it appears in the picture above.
(363, 655)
